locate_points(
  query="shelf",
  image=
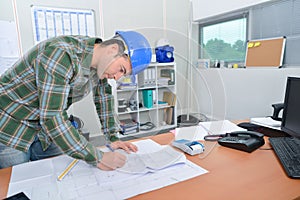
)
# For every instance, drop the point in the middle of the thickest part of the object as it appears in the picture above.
(146, 109)
(128, 112)
(152, 87)
(145, 88)
(155, 131)
(165, 86)
(156, 79)
(126, 90)
(161, 64)
(163, 106)
(155, 107)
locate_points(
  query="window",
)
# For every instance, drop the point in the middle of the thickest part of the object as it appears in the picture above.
(224, 40)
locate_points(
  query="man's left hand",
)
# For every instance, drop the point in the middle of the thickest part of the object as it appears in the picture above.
(126, 146)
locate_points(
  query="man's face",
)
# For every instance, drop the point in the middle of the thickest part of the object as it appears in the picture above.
(118, 68)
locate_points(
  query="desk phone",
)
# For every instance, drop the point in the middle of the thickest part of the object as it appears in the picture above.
(243, 140)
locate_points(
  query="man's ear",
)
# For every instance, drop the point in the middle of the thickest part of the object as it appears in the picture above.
(113, 49)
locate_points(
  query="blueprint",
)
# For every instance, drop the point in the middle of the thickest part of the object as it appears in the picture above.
(38, 179)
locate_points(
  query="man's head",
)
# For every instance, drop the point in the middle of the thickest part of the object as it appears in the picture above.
(128, 52)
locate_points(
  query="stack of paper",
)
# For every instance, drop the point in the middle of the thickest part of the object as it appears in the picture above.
(126, 83)
(206, 128)
(128, 126)
(127, 86)
(266, 122)
(190, 133)
(220, 127)
(163, 81)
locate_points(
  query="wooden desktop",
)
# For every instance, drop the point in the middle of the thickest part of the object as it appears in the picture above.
(232, 175)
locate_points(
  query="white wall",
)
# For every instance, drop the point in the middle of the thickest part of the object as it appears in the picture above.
(239, 93)
(203, 9)
(6, 8)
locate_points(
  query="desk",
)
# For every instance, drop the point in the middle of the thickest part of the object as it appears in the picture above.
(232, 175)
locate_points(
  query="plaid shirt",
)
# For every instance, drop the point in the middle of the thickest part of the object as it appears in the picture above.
(37, 90)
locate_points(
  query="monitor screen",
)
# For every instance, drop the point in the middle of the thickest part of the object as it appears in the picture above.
(291, 112)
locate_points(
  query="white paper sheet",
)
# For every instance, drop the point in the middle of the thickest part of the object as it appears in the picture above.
(220, 127)
(9, 50)
(190, 133)
(8, 39)
(150, 162)
(266, 122)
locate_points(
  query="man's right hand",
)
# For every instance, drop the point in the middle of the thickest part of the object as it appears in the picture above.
(111, 161)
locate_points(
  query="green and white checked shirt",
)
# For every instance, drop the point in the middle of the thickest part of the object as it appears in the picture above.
(37, 90)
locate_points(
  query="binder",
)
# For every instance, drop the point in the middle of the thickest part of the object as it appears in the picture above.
(153, 76)
(170, 98)
(169, 115)
(148, 98)
(147, 77)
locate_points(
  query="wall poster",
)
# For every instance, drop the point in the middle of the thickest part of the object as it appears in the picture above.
(51, 22)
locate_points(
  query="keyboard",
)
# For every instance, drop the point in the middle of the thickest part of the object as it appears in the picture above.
(287, 149)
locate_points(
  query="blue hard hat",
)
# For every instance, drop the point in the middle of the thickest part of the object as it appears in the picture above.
(139, 50)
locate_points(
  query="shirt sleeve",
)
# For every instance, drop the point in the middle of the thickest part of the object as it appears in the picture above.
(104, 101)
(54, 68)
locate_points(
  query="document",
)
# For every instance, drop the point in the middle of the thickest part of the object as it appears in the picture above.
(9, 51)
(220, 127)
(143, 163)
(190, 133)
(266, 122)
(38, 179)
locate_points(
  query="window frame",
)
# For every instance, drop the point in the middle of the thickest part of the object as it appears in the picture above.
(221, 19)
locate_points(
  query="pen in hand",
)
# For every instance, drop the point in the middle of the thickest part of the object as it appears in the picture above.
(109, 147)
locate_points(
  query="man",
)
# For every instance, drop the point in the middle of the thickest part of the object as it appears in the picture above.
(37, 90)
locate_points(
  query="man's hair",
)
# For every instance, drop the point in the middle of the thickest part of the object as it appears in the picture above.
(119, 42)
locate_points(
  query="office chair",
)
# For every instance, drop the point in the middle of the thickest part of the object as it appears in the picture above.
(277, 108)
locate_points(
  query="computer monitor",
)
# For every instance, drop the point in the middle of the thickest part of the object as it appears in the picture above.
(291, 112)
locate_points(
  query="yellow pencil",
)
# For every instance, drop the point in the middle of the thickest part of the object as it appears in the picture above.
(67, 170)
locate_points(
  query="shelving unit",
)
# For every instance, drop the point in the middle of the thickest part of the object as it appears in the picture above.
(146, 100)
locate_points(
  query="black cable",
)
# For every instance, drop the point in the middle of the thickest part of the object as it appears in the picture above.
(266, 148)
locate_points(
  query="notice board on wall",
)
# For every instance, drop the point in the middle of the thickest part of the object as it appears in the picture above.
(51, 22)
(265, 52)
